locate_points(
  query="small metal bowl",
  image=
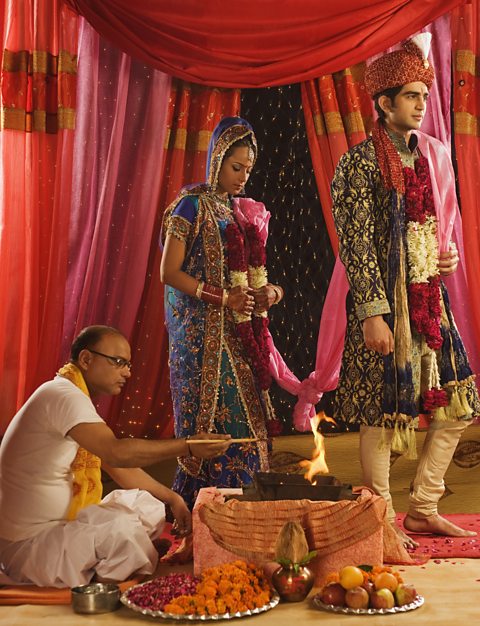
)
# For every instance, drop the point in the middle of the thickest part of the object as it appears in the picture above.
(95, 598)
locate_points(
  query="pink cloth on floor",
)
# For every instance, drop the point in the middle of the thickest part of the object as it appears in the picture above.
(343, 532)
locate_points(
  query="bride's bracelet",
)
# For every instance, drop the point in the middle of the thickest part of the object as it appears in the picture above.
(278, 293)
(211, 294)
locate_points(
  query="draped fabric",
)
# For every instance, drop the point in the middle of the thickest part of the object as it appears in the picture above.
(338, 115)
(118, 157)
(36, 147)
(466, 107)
(194, 111)
(262, 44)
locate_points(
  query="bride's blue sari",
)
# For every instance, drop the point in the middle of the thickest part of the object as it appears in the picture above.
(213, 386)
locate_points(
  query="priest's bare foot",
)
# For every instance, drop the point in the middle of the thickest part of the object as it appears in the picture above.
(437, 525)
(407, 541)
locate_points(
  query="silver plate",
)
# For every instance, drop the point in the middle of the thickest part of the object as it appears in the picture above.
(419, 600)
(193, 618)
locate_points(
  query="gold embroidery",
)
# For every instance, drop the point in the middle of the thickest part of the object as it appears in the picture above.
(227, 139)
(247, 393)
(369, 309)
(362, 224)
(179, 227)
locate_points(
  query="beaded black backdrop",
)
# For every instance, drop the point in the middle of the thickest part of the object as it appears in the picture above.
(300, 257)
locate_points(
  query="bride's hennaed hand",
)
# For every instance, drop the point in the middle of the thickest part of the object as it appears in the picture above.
(241, 300)
(264, 298)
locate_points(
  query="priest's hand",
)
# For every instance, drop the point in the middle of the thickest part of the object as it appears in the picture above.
(208, 450)
(182, 525)
(377, 335)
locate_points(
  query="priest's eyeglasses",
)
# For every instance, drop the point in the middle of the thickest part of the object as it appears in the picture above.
(116, 361)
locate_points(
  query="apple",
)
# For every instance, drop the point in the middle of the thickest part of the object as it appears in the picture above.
(405, 594)
(382, 599)
(334, 594)
(357, 598)
(369, 586)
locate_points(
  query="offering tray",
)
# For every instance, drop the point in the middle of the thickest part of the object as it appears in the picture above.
(144, 610)
(419, 600)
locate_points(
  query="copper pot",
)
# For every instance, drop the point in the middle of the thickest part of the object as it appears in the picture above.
(293, 583)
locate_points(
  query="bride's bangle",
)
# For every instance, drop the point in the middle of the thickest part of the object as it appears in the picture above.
(225, 297)
(278, 293)
(199, 289)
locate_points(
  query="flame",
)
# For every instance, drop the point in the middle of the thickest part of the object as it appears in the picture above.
(318, 464)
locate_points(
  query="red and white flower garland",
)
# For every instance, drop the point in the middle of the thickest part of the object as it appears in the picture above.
(423, 274)
(252, 330)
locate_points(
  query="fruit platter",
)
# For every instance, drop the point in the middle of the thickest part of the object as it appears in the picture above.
(367, 590)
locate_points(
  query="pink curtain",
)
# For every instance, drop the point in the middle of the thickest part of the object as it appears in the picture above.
(36, 148)
(118, 158)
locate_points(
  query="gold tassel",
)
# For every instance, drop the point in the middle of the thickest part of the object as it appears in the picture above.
(441, 414)
(404, 441)
(383, 444)
(411, 453)
(467, 409)
(457, 408)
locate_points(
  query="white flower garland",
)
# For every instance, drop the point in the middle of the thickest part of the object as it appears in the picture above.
(422, 248)
(257, 277)
(239, 279)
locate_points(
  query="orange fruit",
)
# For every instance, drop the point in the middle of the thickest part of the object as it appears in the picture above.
(385, 580)
(350, 577)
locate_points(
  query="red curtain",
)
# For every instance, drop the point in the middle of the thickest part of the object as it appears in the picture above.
(257, 44)
(338, 115)
(194, 112)
(466, 106)
(36, 146)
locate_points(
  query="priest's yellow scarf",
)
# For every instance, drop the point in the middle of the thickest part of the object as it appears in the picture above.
(87, 483)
